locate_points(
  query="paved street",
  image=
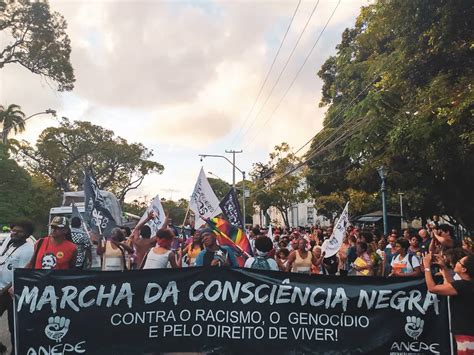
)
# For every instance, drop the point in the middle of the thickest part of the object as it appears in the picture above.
(4, 334)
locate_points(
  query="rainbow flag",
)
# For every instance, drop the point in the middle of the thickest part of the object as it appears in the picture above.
(230, 235)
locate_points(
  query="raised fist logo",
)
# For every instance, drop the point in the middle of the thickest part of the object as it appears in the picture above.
(414, 327)
(57, 328)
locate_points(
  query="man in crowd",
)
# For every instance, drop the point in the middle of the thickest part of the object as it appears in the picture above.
(15, 252)
(142, 239)
(390, 251)
(55, 252)
(214, 254)
(83, 243)
(425, 241)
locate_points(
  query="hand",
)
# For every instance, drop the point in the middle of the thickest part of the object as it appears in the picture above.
(151, 215)
(215, 262)
(11, 291)
(427, 261)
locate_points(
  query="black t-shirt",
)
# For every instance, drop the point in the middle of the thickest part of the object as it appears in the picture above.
(211, 255)
(462, 308)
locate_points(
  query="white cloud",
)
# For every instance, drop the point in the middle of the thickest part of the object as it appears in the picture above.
(185, 74)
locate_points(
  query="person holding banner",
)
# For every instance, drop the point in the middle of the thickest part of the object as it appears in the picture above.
(462, 296)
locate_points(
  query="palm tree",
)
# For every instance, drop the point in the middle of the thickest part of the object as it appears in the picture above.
(12, 118)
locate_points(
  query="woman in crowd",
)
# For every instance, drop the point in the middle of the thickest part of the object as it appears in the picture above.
(362, 265)
(282, 258)
(300, 260)
(113, 251)
(462, 296)
(162, 256)
(193, 249)
(404, 263)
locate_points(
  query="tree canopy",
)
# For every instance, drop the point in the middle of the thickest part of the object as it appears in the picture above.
(62, 153)
(11, 118)
(399, 94)
(36, 39)
(275, 186)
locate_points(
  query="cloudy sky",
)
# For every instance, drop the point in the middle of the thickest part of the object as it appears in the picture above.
(182, 76)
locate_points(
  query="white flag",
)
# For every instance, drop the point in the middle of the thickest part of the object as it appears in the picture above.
(204, 202)
(157, 222)
(270, 232)
(332, 245)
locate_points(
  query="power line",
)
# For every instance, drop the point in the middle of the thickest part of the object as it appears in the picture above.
(268, 73)
(298, 72)
(282, 70)
(340, 111)
(321, 149)
(337, 129)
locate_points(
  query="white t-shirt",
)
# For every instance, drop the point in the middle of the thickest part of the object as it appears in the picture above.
(404, 264)
(12, 257)
(272, 263)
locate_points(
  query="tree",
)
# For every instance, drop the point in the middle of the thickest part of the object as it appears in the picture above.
(63, 153)
(23, 196)
(275, 185)
(399, 94)
(12, 118)
(38, 41)
(219, 186)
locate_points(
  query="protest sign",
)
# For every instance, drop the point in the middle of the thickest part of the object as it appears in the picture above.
(222, 309)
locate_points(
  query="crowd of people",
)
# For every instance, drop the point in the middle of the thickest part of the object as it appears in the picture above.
(446, 262)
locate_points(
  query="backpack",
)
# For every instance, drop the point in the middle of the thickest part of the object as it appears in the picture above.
(260, 263)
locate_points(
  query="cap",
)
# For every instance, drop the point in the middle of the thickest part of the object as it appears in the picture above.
(60, 222)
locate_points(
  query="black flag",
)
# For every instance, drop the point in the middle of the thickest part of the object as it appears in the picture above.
(97, 213)
(231, 209)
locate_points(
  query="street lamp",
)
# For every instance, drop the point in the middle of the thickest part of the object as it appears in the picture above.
(233, 177)
(401, 209)
(383, 176)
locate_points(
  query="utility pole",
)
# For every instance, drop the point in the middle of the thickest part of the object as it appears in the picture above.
(233, 152)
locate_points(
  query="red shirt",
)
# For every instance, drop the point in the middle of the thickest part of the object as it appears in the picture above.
(54, 256)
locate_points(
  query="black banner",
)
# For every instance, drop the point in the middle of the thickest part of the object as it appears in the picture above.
(230, 207)
(225, 310)
(97, 214)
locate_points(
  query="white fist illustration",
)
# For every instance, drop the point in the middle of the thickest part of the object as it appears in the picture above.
(57, 328)
(414, 326)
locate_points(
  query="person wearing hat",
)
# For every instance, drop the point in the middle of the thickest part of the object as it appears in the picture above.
(214, 254)
(55, 252)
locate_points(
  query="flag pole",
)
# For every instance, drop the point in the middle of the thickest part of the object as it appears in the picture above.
(185, 217)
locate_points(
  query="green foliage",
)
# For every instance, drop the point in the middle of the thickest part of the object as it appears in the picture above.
(176, 210)
(274, 187)
(36, 39)
(12, 118)
(220, 187)
(23, 196)
(400, 88)
(61, 155)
